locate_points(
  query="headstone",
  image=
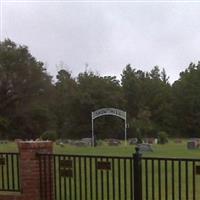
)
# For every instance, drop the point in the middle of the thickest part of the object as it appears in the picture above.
(61, 144)
(66, 141)
(114, 142)
(192, 144)
(151, 140)
(79, 143)
(87, 141)
(133, 141)
(145, 147)
(197, 141)
(71, 142)
(156, 141)
(58, 142)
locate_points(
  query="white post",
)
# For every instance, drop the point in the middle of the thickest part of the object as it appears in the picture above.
(125, 132)
(92, 131)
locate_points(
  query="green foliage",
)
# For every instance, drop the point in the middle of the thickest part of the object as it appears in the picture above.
(30, 102)
(148, 99)
(24, 83)
(49, 135)
(139, 136)
(186, 92)
(162, 137)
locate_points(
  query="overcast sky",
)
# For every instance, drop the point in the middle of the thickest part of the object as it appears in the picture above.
(106, 35)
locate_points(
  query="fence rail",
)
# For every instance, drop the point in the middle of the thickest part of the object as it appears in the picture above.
(9, 172)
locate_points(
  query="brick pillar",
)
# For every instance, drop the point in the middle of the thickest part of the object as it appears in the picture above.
(30, 168)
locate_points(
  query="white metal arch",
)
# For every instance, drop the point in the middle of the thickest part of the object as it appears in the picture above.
(109, 111)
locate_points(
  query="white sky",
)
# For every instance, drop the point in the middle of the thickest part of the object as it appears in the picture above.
(106, 35)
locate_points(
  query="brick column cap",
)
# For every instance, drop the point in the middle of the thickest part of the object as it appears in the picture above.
(35, 144)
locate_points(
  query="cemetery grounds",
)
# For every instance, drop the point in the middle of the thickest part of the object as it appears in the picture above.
(169, 150)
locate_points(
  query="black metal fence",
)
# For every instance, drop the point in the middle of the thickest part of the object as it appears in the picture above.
(170, 179)
(9, 172)
(79, 177)
(88, 177)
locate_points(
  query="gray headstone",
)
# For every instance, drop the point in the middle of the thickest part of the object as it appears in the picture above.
(61, 144)
(145, 147)
(192, 144)
(151, 140)
(65, 141)
(87, 141)
(133, 141)
(80, 143)
(114, 142)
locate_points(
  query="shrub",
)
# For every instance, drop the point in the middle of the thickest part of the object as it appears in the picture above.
(162, 137)
(49, 135)
(139, 136)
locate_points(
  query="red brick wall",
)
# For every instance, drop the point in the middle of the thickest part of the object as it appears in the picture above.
(29, 171)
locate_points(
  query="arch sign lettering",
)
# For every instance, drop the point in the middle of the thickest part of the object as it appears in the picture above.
(109, 111)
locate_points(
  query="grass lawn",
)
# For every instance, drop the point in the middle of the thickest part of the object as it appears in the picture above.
(167, 150)
(171, 149)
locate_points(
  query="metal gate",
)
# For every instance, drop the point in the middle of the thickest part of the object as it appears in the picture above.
(86, 177)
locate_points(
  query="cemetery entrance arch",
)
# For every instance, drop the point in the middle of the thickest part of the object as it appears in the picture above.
(109, 111)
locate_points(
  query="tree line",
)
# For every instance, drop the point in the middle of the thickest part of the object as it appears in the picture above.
(31, 102)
